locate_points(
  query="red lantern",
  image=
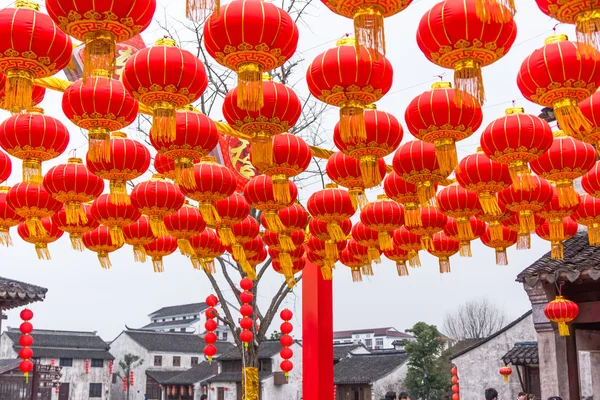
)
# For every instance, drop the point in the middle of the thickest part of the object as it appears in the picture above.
(246, 230)
(41, 241)
(33, 47)
(456, 202)
(293, 218)
(322, 248)
(369, 238)
(333, 206)
(508, 238)
(232, 210)
(100, 241)
(383, 216)
(297, 266)
(272, 239)
(72, 184)
(324, 264)
(383, 136)
(452, 230)
(514, 223)
(505, 372)
(467, 50)
(517, 139)
(353, 263)
(8, 217)
(555, 213)
(259, 194)
(287, 261)
(138, 235)
(435, 118)
(26, 366)
(280, 112)
(166, 166)
(128, 160)
(365, 254)
(591, 181)
(5, 166)
(365, 80)
(495, 221)
(400, 256)
(433, 222)
(196, 136)
(479, 174)
(159, 248)
(561, 311)
(590, 110)
(76, 229)
(410, 242)
(578, 80)
(443, 248)
(416, 163)
(101, 26)
(33, 138)
(259, 258)
(207, 247)
(588, 214)
(250, 37)
(184, 224)
(569, 228)
(404, 193)
(87, 367)
(214, 182)
(567, 160)
(101, 105)
(114, 216)
(319, 230)
(32, 202)
(37, 95)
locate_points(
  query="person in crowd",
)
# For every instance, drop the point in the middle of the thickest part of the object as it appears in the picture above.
(531, 396)
(204, 397)
(391, 396)
(554, 398)
(522, 396)
(491, 394)
(403, 396)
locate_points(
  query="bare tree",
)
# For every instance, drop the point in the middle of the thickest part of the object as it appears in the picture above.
(475, 319)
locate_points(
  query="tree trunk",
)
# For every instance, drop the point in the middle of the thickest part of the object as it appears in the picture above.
(250, 381)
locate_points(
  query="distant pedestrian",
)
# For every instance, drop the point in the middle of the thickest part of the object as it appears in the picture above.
(522, 396)
(391, 396)
(491, 394)
(531, 397)
(554, 398)
(403, 396)
(204, 397)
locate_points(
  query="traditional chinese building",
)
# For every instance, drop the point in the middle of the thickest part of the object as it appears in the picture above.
(376, 338)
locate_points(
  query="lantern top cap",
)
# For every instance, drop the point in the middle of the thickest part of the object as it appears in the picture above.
(4, 189)
(166, 41)
(346, 41)
(559, 133)
(515, 110)
(208, 159)
(266, 77)
(480, 149)
(32, 5)
(120, 135)
(561, 37)
(101, 72)
(35, 110)
(381, 197)
(75, 160)
(371, 106)
(331, 186)
(441, 85)
(158, 177)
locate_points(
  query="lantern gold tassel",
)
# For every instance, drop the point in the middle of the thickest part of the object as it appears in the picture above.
(238, 251)
(209, 214)
(226, 235)
(19, 90)
(157, 264)
(262, 151)
(281, 189)
(427, 242)
(208, 264)
(250, 87)
(558, 250)
(5, 238)
(524, 241)
(139, 253)
(367, 270)
(501, 257)
(557, 230)
(326, 272)
(198, 10)
(274, 224)
(374, 255)
(76, 242)
(286, 243)
(248, 270)
(358, 198)
(594, 234)
(36, 228)
(158, 227)
(526, 221)
(184, 172)
(335, 232)
(356, 275)
(468, 79)
(569, 117)
(287, 264)
(520, 175)
(465, 231)
(413, 259)
(489, 203)
(567, 196)
(495, 10)
(164, 123)
(352, 122)
(118, 192)
(331, 250)
(445, 152)
(444, 265)
(563, 329)
(401, 268)
(496, 231)
(104, 260)
(99, 144)
(587, 25)
(369, 170)
(42, 251)
(32, 171)
(291, 282)
(116, 236)
(196, 263)
(368, 29)
(99, 54)
(412, 215)
(385, 241)
(465, 248)
(426, 193)
(185, 247)
(75, 214)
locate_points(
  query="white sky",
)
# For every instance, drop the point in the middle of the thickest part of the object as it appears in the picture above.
(82, 296)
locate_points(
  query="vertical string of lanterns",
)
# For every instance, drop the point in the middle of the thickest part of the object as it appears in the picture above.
(286, 341)
(26, 341)
(87, 367)
(210, 325)
(455, 384)
(125, 385)
(249, 374)
(131, 378)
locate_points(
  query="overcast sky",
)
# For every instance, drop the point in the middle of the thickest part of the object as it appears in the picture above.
(82, 296)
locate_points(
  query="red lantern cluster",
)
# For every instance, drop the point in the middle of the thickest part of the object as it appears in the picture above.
(286, 341)
(246, 323)
(26, 341)
(210, 338)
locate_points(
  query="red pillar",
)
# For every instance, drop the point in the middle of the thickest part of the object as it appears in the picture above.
(317, 335)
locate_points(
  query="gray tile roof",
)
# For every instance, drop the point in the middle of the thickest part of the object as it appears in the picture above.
(388, 331)
(182, 309)
(198, 373)
(162, 376)
(9, 364)
(172, 342)
(579, 257)
(236, 377)
(17, 294)
(342, 350)
(166, 324)
(74, 354)
(365, 369)
(267, 349)
(524, 353)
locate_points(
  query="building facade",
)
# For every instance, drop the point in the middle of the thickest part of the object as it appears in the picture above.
(374, 339)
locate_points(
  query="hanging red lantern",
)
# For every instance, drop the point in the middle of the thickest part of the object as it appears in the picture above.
(100, 241)
(8, 217)
(165, 166)
(524, 234)
(324, 264)
(416, 163)
(505, 372)
(567, 160)
(232, 210)
(353, 263)
(245, 231)
(271, 239)
(41, 241)
(400, 256)
(515, 140)
(73, 184)
(37, 95)
(555, 213)
(138, 235)
(383, 216)
(383, 136)
(321, 248)
(196, 135)
(286, 352)
(76, 229)
(456, 202)
(369, 238)
(33, 47)
(32, 202)
(365, 254)
(590, 110)
(588, 214)
(466, 51)
(259, 194)
(5, 167)
(259, 258)
(495, 221)
(232, 38)
(214, 182)
(578, 80)
(569, 228)
(291, 157)
(114, 216)
(33, 138)
(280, 112)
(286, 259)
(128, 160)
(319, 230)
(404, 193)
(184, 224)
(159, 248)
(508, 238)
(443, 248)
(101, 105)
(433, 222)
(452, 230)
(333, 206)
(591, 181)
(366, 79)
(479, 174)
(297, 266)
(434, 117)
(410, 242)
(562, 311)
(293, 218)
(207, 246)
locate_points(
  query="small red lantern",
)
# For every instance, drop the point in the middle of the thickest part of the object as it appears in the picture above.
(368, 238)
(131, 378)
(588, 214)
(443, 248)
(333, 206)
(272, 239)
(561, 311)
(159, 248)
(505, 372)
(184, 224)
(166, 166)
(8, 217)
(259, 194)
(5, 166)
(138, 235)
(508, 238)
(353, 263)
(404, 193)
(110, 367)
(232, 210)
(555, 213)
(324, 264)
(366, 255)
(75, 230)
(569, 228)
(383, 216)
(87, 367)
(456, 202)
(115, 216)
(410, 242)
(32, 202)
(433, 222)
(400, 256)
(452, 231)
(51, 234)
(293, 218)
(319, 230)
(207, 246)
(100, 241)
(524, 239)
(322, 248)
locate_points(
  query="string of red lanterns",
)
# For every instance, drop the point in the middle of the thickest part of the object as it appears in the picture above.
(246, 323)
(26, 341)
(210, 325)
(286, 353)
